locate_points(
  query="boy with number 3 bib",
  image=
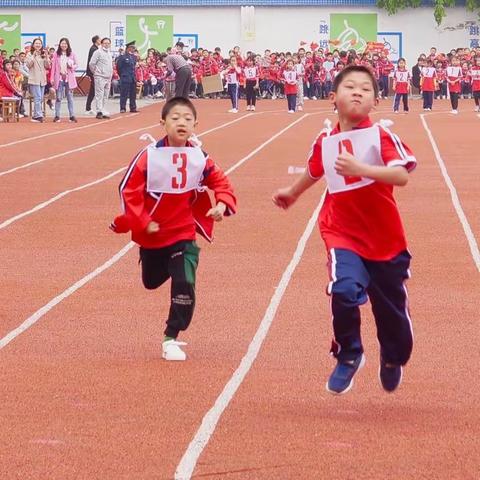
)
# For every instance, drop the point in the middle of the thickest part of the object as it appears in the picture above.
(361, 227)
(164, 203)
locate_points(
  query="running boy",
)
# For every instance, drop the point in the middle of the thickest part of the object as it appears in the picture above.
(361, 227)
(163, 208)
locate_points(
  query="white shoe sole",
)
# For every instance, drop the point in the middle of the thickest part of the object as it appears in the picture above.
(362, 363)
(173, 359)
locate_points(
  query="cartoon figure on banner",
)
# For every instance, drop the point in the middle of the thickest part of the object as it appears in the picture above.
(148, 33)
(349, 39)
(7, 28)
(391, 50)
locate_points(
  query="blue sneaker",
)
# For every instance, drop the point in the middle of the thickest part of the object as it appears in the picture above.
(390, 375)
(341, 379)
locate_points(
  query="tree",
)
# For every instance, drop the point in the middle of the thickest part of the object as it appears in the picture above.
(393, 6)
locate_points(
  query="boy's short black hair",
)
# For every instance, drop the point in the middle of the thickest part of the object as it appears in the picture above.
(355, 68)
(173, 102)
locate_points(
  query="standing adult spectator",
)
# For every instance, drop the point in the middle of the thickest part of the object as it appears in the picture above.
(62, 77)
(176, 63)
(101, 66)
(91, 92)
(128, 83)
(37, 62)
(416, 74)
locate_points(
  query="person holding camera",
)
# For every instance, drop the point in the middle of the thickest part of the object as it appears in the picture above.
(37, 62)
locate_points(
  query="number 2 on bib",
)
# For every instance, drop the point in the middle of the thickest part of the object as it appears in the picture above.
(180, 160)
(346, 145)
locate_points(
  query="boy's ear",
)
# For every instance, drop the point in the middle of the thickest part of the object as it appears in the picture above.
(332, 96)
(162, 122)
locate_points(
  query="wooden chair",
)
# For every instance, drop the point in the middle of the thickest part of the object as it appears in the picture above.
(139, 90)
(10, 109)
(30, 105)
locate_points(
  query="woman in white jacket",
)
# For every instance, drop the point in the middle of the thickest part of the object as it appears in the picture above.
(101, 65)
(37, 62)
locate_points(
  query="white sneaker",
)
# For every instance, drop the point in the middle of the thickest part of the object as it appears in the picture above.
(252, 108)
(455, 112)
(314, 97)
(171, 351)
(90, 112)
(300, 108)
(291, 111)
(395, 111)
(233, 110)
(477, 109)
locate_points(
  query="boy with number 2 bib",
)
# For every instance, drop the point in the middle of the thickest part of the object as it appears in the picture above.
(164, 203)
(361, 227)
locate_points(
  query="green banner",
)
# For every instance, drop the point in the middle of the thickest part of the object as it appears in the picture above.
(10, 32)
(352, 30)
(150, 31)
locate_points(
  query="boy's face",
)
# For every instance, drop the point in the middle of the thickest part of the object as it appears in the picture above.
(179, 124)
(401, 64)
(355, 96)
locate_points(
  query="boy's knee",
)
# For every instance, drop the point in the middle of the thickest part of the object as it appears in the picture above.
(149, 284)
(349, 293)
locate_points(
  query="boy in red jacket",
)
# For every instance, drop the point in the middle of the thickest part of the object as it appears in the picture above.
(164, 204)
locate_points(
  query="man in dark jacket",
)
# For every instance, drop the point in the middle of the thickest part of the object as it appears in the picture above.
(128, 84)
(91, 92)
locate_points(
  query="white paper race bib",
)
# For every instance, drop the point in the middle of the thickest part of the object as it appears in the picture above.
(363, 144)
(174, 169)
(290, 75)
(401, 76)
(454, 72)
(250, 73)
(232, 78)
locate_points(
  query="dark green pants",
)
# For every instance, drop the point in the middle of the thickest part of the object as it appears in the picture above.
(178, 262)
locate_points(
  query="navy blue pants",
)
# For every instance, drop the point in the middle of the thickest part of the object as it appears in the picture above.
(233, 91)
(128, 91)
(396, 102)
(354, 280)
(427, 99)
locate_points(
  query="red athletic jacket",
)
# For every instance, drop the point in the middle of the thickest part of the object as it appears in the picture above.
(179, 215)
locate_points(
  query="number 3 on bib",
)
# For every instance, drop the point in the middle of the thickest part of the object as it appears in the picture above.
(180, 160)
(346, 145)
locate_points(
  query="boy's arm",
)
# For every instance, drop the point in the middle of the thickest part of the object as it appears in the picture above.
(397, 157)
(132, 193)
(285, 197)
(348, 166)
(216, 180)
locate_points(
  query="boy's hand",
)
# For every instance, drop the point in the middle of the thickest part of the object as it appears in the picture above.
(217, 212)
(348, 166)
(284, 198)
(153, 227)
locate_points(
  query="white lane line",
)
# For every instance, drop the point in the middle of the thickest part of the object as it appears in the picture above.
(472, 243)
(60, 195)
(264, 144)
(210, 420)
(66, 293)
(72, 289)
(42, 205)
(92, 145)
(59, 132)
